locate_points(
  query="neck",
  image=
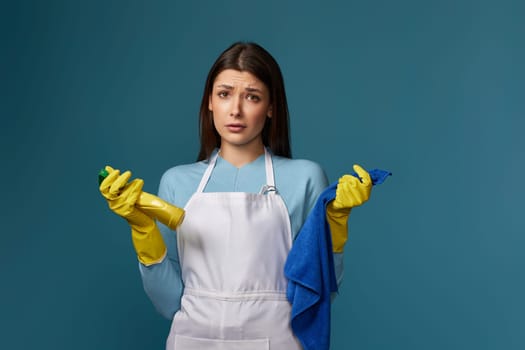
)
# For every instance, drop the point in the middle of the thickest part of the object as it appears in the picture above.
(241, 155)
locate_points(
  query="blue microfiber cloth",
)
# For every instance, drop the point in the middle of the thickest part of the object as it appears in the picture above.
(311, 274)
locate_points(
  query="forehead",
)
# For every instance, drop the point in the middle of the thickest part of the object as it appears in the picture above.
(234, 78)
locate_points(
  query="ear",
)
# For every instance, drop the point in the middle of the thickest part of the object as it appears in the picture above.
(269, 113)
(209, 104)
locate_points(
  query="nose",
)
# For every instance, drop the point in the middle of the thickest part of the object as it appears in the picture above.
(236, 107)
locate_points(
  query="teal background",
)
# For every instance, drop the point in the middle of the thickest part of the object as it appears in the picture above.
(434, 91)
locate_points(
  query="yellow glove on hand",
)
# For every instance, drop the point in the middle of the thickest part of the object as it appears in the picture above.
(122, 197)
(350, 192)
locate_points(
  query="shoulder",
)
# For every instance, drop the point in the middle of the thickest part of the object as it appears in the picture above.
(181, 180)
(293, 176)
(184, 171)
(300, 182)
(300, 169)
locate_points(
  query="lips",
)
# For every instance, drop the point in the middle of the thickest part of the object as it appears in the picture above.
(235, 127)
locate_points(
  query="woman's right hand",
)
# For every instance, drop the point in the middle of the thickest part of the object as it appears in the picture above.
(122, 196)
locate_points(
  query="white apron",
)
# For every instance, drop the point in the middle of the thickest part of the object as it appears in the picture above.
(232, 250)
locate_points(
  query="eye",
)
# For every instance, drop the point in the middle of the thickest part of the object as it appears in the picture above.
(222, 94)
(253, 98)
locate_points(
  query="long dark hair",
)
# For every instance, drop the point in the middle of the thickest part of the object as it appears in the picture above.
(252, 58)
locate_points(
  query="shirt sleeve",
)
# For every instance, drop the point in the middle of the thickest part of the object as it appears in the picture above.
(339, 269)
(162, 282)
(317, 184)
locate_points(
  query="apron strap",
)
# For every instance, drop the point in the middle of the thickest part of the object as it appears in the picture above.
(207, 173)
(269, 168)
(268, 164)
(269, 188)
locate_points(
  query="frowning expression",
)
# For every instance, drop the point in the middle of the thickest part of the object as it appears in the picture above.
(240, 104)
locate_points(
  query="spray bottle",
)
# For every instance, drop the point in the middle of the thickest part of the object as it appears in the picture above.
(154, 207)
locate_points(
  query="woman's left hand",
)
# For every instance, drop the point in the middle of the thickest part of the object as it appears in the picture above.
(352, 191)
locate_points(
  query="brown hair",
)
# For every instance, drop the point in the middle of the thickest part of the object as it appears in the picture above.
(252, 58)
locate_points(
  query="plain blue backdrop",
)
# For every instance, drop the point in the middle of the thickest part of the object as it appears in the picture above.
(434, 91)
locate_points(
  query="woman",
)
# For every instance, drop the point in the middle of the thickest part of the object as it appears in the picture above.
(220, 277)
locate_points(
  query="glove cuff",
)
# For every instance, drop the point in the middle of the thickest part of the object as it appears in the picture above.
(338, 222)
(149, 244)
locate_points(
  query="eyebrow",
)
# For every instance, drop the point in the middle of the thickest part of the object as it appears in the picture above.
(250, 89)
(229, 87)
(225, 86)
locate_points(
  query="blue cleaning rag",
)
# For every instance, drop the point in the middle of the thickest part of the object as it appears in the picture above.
(311, 274)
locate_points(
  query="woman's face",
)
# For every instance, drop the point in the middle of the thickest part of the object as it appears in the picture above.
(240, 104)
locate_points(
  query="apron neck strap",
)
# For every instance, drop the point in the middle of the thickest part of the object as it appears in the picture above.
(269, 168)
(268, 164)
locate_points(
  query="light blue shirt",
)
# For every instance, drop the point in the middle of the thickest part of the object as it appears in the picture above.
(299, 183)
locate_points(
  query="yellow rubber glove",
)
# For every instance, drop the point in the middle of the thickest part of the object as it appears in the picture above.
(122, 197)
(350, 192)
